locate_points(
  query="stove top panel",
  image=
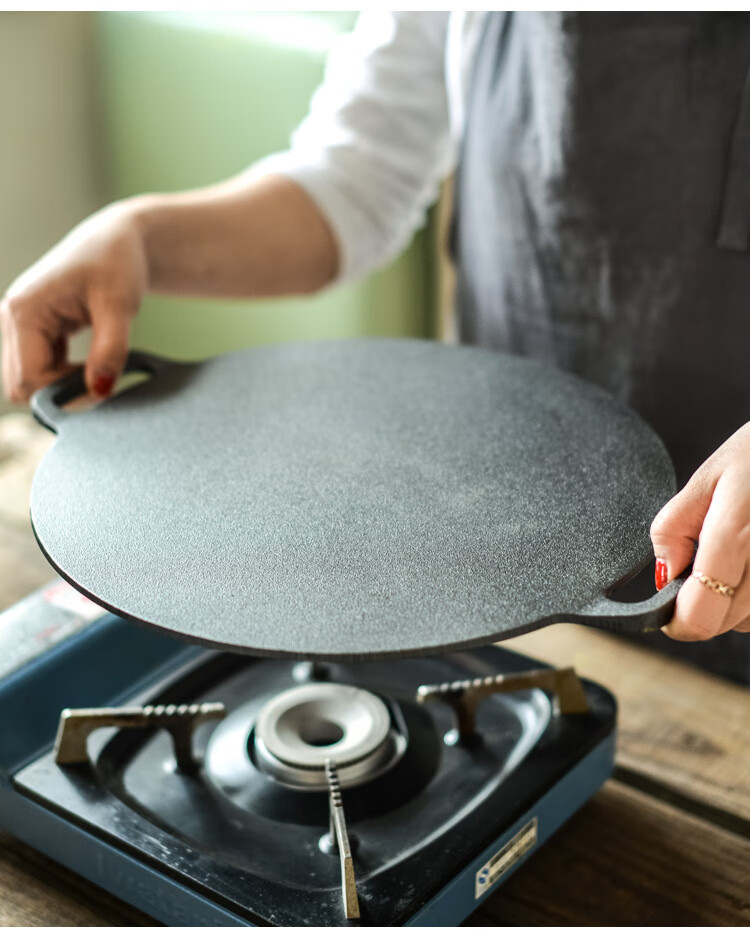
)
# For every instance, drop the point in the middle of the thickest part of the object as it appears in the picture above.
(258, 852)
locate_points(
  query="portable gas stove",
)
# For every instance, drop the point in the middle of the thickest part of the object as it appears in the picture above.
(220, 789)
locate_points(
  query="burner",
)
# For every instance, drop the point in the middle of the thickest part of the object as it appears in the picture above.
(292, 736)
(301, 729)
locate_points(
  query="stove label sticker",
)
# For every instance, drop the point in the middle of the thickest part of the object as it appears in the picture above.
(508, 856)
(40, 621)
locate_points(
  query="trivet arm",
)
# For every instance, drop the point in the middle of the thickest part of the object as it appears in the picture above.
(463, 696)
(76, 725)
(340, 837)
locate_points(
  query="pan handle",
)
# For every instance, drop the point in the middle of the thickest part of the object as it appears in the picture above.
(46, 404)
(647, 615)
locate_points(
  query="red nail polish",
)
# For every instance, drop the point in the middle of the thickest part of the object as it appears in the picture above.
(103, 385)
(660, 575)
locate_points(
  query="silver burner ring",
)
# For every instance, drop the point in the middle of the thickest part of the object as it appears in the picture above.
(299, 729)
(296, 724)
(306, 725)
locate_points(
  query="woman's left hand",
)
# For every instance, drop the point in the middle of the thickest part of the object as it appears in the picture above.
(713, 510)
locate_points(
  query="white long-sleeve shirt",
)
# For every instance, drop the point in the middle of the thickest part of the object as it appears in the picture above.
(383, 130)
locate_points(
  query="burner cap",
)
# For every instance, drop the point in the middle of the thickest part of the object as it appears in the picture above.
(299, 729)
(289, 736)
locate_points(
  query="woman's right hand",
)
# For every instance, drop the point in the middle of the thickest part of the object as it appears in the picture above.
(95, 277)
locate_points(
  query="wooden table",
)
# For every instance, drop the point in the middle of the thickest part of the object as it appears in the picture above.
(665, 843)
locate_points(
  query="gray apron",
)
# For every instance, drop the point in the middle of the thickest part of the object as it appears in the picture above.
(603, 216)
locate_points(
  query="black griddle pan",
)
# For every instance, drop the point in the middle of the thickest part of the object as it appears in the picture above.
(352, 499)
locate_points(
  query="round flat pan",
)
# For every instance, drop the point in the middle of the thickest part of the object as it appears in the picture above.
(352, 499)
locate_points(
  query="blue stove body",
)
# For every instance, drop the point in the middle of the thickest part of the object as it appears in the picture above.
(107, 661)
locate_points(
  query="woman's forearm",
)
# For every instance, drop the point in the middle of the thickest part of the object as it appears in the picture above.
(244, 238)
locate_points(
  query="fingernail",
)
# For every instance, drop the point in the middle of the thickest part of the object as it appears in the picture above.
(660, 574)
(103, 384)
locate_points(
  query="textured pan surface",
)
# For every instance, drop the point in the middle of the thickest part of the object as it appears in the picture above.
(351, 499)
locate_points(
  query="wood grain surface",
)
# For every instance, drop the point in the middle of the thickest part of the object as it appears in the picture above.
(627, 859)
(682, 731)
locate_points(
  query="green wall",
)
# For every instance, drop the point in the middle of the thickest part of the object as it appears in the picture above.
(188, 99)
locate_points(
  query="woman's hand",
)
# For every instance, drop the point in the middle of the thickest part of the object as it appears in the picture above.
(713, 510)
(249, 237)
(95, 277)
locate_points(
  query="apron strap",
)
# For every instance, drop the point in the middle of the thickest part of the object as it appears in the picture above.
(734, 227)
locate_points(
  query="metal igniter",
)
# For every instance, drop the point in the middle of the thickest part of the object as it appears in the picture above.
(463, 696)
(76, 725)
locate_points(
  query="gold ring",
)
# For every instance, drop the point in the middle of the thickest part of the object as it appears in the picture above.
(714, 585)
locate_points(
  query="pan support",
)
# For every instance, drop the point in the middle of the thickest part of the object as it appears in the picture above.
(464, 696)
(338, 840)
(180, 721)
